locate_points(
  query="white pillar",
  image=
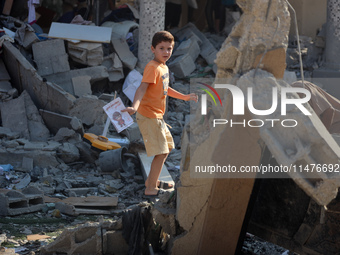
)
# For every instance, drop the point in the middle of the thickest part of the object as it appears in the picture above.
(152, 15)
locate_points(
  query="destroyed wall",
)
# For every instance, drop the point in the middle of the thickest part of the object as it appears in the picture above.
(257, 32)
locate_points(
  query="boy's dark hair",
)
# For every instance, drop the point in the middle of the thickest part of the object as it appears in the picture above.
(162, 36)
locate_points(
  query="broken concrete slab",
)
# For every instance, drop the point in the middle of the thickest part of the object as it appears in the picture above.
(55, 121)
(182, 66)
(64, 80)
(21, 115)
(82, 85)
(113, 241)
(40, 157)
(45, 95)
(13, 116)
(80, 32)
(121, 29)
(86, 53)
(122, 49)
(36, 126)
(114, 67)
(50, 57)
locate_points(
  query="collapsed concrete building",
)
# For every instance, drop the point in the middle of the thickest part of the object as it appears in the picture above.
(211, 217)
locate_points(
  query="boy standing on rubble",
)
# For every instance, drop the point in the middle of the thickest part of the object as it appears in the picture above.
(149, 103)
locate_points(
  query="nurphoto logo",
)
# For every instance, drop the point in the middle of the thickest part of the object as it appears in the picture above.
(239, 105)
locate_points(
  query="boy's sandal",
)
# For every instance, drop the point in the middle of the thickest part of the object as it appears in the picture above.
(165, 185)
(159, 192)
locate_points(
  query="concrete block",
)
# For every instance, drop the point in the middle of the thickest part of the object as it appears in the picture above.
(89, 110)
(50, 57)
(14, 202)
(81, 85)
(55, 121)
(5, 86)
(208, 51)
(4, 76)
(64, 80)
(85, 239)
(87, 53)
(126, 56)
(44, 94)
(190, 47)
(13, 116)
(27, 164)
(182, 66)
(114, 243)
(114, 67)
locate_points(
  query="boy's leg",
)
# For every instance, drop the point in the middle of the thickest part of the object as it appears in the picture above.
(155, 171)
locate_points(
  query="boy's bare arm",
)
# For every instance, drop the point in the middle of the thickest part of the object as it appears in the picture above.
(175, 94)
(137, 99)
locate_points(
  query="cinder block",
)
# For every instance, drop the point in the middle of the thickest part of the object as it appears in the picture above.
(126, 56)
(114, 67)
(182, 66)
(14, 202)
(190, 47)
(50, 57)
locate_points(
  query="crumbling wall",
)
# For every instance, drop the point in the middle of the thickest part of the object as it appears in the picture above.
(263, 26)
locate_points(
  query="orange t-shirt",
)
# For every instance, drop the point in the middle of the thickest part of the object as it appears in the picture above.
(154, 100)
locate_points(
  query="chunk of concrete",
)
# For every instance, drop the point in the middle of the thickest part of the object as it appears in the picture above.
(68, 152)
(182, 66)
(50, 57)
(81, 85)
(64, 80)
(4, 76)
(89, 110)
(114, 242)
(21, 115)
(13, 116)
(190, 47)
(122, 49)
(208, 51)
(87, 53)
(114, 67)
(36, 126)
(5, 86)
(55, 121)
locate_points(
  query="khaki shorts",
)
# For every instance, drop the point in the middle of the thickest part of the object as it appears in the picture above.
(156, 135)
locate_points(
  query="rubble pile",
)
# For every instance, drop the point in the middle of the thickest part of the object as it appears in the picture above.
(47, 168)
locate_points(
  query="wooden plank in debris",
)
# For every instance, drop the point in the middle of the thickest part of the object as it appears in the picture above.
(273, 62)
(92, 201)
(80, 32)
(146, 165)
(37, 237)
